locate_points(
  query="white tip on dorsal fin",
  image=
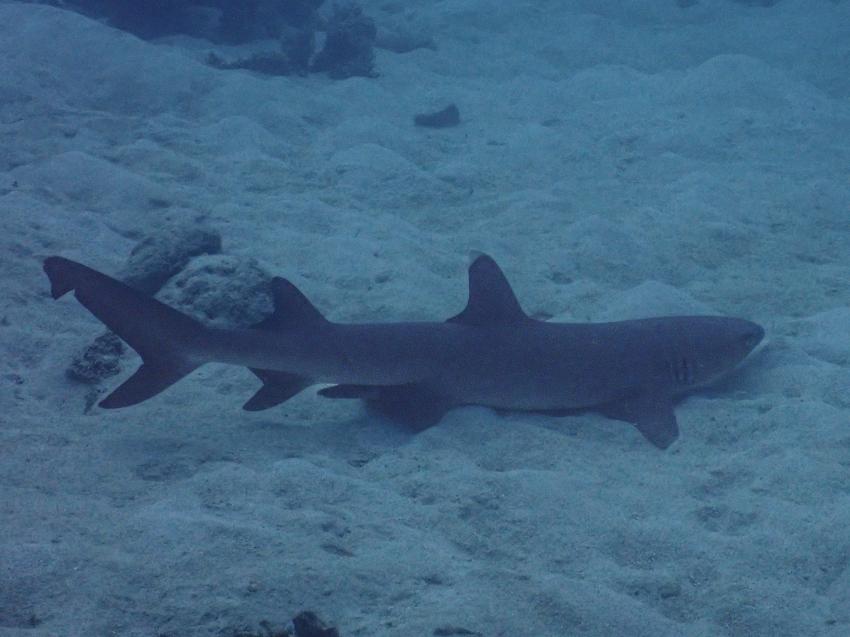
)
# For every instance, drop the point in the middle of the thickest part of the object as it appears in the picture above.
(491, 299)
(291, 308)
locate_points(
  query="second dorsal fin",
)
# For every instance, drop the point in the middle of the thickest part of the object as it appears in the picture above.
(491, 299)
(291, 308)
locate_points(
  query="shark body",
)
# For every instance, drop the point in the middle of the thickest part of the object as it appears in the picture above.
(491, 354)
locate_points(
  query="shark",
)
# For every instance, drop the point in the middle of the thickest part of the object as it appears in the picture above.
(491, 354)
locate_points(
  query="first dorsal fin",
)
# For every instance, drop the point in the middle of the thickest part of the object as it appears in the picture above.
(291, 308)
(491, 299)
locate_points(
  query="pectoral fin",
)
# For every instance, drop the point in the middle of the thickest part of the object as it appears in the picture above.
(652, 413)
(411, 404)
(363, 392)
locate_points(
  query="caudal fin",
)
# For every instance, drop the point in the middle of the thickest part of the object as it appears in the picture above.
(165, 338)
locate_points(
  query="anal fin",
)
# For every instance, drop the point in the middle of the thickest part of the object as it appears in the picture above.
(278, 387)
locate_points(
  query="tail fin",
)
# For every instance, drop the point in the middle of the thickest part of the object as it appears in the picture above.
(163, 337)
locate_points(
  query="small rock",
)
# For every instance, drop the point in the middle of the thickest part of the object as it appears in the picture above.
(308, 624)
(447, 631)
(99, 360)
(221, 290)
(668, 590)
(162, 254)
(349, 44)
(446, 118)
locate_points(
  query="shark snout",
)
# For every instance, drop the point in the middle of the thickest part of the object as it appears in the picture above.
(753, 334)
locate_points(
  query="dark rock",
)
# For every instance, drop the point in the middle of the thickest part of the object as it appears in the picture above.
(308, 624)
(99, 360)
(403, 40)
(297, 46)
(449, 116)
(265, 63)
(304, 624)
(266, 630)
(298, 13)
(349, 46)
(446, 631)
(224, 21)
(221, 290)
(753, 3)
(154, 18)
(246, 21)
(758, 3)
(161, 255)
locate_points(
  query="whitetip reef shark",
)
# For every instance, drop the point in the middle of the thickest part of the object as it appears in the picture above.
(491, 354)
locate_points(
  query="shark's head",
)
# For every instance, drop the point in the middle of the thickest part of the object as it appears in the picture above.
(708, 347)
